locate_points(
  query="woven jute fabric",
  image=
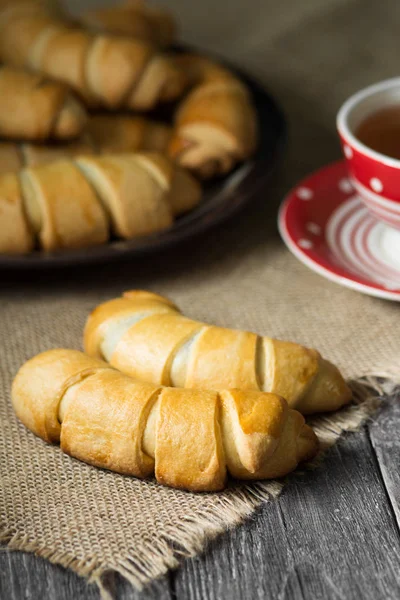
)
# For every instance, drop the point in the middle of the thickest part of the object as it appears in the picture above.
(240, 275)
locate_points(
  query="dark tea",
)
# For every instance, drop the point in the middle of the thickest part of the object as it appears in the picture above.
(381, 131)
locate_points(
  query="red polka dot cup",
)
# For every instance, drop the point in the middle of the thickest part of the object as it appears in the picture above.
(376, 177)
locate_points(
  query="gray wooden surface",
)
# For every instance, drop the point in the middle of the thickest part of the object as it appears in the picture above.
(332, 535)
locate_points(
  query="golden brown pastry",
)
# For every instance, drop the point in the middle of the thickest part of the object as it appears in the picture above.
(104, 70)
(35, 108)
(145, 335)
(61, 207)
(74, 204)
(35, 155)
(133, 18)
(124, 133)
(189, 439)
(105, 134)
(11, 158)
(216, 123)
(15, 234)
(25, 19)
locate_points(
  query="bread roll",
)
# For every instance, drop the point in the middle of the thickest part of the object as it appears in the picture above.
(216, 123)
(78, 203)
(146, 336)
(104, 134)
(133, 18)
(104, 70)
(35, 108)
(189, 439)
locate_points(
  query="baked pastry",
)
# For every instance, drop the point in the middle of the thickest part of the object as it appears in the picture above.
(74, 204)
(216, 123)
(10, 157)
(104, 70)
(133, 18)
(146, 336)
(15, 233)
(35, 155)
(35, 108)
(188, 438)
(125, 133)
(104, 134)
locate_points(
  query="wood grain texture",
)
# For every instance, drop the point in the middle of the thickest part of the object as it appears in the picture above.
(27, 577)
(385, 438)
(331, 534)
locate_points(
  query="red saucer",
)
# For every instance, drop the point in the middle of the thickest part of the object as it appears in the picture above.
(326, 226)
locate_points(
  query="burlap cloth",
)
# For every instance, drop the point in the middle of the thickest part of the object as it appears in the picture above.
(313, 55)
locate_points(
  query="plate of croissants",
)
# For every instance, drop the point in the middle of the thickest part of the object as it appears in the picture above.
(114, 139)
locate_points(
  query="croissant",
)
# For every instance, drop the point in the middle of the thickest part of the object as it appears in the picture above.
(104, 134)
(133, 18)
(103, 69)
(145, 335)
(73, 204)
(188, 438)
(216, 123)
(34, 108)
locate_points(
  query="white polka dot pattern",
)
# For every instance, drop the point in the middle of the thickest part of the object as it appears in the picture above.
(348, 152)
(376, 184)
(306, 244)
(305, 193)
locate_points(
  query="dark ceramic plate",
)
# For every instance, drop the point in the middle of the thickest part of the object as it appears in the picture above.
(223, 197)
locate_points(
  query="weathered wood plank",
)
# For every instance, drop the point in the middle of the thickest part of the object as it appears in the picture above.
(385, 438)
(26, 576)
(23, 575)
(331, 534)
(250, 561)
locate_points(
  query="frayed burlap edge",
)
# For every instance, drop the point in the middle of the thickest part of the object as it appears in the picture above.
(189, 538)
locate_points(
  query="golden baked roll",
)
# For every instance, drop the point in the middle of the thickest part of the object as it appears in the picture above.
(77, 203)
(216, 123)
(35, 155)
(146, 336)
(61, 207)
(104, 70)
(189, 439)
(16, 236)
(35, 108)
(104, 134)
(11, 158)
(125, 133)
(133, 18)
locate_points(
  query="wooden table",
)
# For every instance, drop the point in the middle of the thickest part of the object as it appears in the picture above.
(334, 532)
